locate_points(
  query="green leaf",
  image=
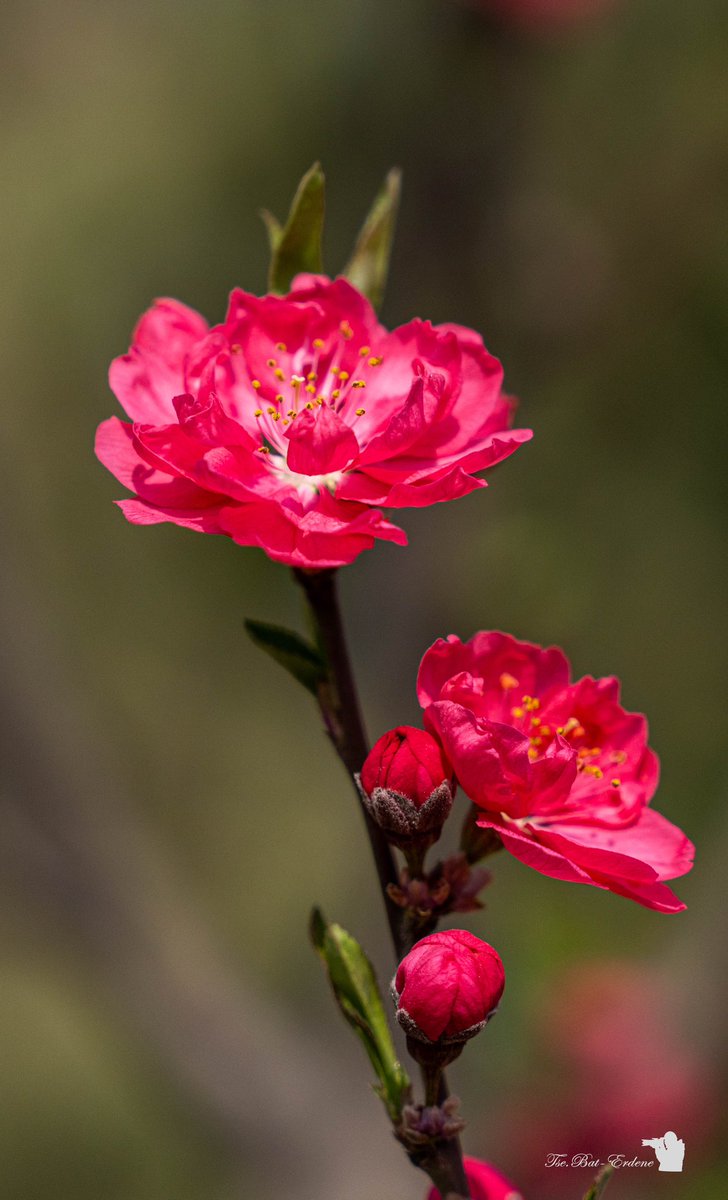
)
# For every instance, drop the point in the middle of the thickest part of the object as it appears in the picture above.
(289, 649)
(357, 993)
(369, 264)
(599, 1183)
(296, 246)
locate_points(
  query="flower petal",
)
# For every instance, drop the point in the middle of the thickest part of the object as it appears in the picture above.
(320, 442)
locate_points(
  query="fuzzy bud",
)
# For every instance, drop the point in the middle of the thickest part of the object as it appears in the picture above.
(447, 987)
(407, 786)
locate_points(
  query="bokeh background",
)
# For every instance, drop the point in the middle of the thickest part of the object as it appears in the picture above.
(170, 808)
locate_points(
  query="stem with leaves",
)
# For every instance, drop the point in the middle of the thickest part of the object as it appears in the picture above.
(339, 704)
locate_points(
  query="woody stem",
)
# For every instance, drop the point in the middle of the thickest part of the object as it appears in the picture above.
(338, 702)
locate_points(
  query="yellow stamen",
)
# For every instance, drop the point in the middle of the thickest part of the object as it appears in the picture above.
(279, 374)
(282, 347)
(318, 344)
(360, 412)
(310, 389)
(311, 377)
(255, 383)
(595, 771)
(358, 383)
(364, 351)
(343, 376)
(346, 330)
(271, 362)
(616, 782)
(508, 682)
(517, 712)
(258, 412)
(375, 361)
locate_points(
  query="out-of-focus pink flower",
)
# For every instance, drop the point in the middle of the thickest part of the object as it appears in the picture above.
(448, 986)
(542, 14)
(621, 1055)
(485, 1183)
(561, 771)
(287, 426)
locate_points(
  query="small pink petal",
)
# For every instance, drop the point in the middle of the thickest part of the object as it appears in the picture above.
(320, 442)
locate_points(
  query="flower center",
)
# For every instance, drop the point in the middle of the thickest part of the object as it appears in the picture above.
(307, 486)
(304, 379)
(591, 760)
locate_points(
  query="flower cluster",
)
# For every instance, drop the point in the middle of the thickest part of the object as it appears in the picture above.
(559, 769)
(290, 424)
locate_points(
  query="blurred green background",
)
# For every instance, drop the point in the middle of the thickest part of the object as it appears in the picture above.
(170, 808)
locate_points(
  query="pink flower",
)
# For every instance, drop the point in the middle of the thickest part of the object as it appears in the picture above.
(287, 426)
(448, 986)
(484, 1181)
(561, 771)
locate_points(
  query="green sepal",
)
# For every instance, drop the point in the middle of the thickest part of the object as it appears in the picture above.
(296, 246)
(356, 990)
(599, 1183)
(297, 656)
(369, 264)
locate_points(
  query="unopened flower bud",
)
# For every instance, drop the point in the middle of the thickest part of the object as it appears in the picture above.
(407, 786)
(447, 987)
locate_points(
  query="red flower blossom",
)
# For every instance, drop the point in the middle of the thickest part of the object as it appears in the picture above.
(287, 426)
(485, 1183)
(447, 986)
(561, 771)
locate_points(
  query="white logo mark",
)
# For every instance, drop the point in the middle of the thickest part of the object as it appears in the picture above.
(670, 1151)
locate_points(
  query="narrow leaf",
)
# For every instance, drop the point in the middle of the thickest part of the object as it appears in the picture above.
(599, 1183)
(356, 990)
(296, 246)
(289, 649)
(274, 228)
(369, 264)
